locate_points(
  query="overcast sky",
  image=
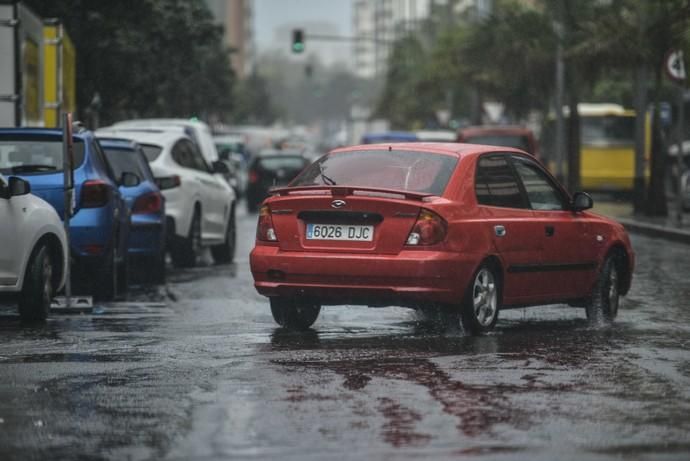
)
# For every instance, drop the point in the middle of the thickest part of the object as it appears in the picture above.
(274, 19)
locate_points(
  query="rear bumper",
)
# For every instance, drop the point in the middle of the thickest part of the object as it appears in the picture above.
(146, 235)
(410, 278)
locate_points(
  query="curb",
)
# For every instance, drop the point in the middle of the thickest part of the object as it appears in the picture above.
(654, 230)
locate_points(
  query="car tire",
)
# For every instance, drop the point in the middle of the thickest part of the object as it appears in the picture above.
(158, 269)
(479, 308)
(37, 292)
(225, 252)
(185, 252)
(296, 315)
(123, 276)
(106, 281)
(602, 306)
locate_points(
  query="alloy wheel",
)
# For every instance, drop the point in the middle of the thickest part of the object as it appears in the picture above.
(484, 297)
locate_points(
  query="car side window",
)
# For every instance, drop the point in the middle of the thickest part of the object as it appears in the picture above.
(496, 184)
(541, 192)
(183, 155)
(98, 153)
(199, 161)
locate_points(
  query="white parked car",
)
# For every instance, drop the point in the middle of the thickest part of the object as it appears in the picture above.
(34, 250)
(199, 203)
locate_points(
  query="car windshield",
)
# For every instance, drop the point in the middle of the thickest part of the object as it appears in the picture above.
(33, 155)
(125, 161)
(504, 140)
(399, 170)
(608, 130)
(151, 151)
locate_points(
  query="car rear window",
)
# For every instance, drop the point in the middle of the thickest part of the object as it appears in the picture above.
(35, 155)
(399, 170)
(125, 160)
(504, 140)
(281, 162)
(151, 152)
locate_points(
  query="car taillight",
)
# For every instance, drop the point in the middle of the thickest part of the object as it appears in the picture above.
(94, 194)
(264, 229)
(168, 182)
(429, 229)
(253, 177)
(148, 204)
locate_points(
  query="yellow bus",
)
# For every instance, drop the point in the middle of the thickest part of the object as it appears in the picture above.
(607, 146)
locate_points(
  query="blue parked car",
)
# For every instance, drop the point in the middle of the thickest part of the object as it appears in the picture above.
(100, 225)
(389, 136)
(146, 204)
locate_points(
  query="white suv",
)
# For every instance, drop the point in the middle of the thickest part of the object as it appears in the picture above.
(33, 253)
(199, 203)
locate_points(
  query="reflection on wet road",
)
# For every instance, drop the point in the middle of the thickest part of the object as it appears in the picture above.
(197, 370)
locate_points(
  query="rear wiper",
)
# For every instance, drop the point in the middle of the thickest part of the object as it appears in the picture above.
(31, 168)
(325, 178)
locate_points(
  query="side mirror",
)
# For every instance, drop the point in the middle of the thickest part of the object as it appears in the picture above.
(581, 201)
(220, 168)
(18, 186)
(129, 179)
(224, 154)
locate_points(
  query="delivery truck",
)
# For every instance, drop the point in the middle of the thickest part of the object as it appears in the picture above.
(37, 68)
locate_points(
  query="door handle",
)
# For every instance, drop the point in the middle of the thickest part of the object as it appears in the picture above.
(500, 231)
(549, 230)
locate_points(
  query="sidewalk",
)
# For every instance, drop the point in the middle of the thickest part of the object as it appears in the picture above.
(659, 227)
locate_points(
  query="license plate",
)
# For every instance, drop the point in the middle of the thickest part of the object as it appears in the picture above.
(356, 233)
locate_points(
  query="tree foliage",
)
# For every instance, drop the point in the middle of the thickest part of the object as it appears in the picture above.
(146, 57)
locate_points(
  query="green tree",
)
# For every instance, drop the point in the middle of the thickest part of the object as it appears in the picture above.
(146, 57)
(410, 95)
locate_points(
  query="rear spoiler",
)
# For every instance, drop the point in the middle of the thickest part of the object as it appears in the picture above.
(342, 191)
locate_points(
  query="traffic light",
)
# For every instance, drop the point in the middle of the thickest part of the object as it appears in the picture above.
(297, 40)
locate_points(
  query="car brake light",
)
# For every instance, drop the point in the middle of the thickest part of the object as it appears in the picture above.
(253, 177)
(429, 229)
(94, 194)
(264, 229)
(148, 204)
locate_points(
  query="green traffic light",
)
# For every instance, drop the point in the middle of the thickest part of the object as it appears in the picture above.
(298, 47)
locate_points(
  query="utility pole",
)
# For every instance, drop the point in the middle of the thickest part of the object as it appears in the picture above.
(560, 90)
(640, 118)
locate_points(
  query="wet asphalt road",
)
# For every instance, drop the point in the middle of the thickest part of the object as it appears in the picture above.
(198, 370)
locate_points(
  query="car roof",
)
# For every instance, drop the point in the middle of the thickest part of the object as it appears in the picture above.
(81, 134)
(159, 138)
(447, 148)
(153, 122)
(117, 143)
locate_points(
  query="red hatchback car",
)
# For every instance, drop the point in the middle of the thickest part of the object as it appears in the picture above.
(462, 229)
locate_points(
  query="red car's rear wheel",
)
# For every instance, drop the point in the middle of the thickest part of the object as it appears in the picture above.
(294, 314)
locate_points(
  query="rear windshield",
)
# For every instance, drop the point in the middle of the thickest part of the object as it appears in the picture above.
(504, 140)
(125, 160)
(35, 155)
(400, 170)
(151, 152)
(281, 162)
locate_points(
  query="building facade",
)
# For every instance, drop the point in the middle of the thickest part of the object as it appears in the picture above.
(379, 23)
(237, 19)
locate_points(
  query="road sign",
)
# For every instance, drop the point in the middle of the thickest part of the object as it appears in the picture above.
(675, 66)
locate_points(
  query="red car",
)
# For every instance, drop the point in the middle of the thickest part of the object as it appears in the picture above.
(464, 229)
(519, 137)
